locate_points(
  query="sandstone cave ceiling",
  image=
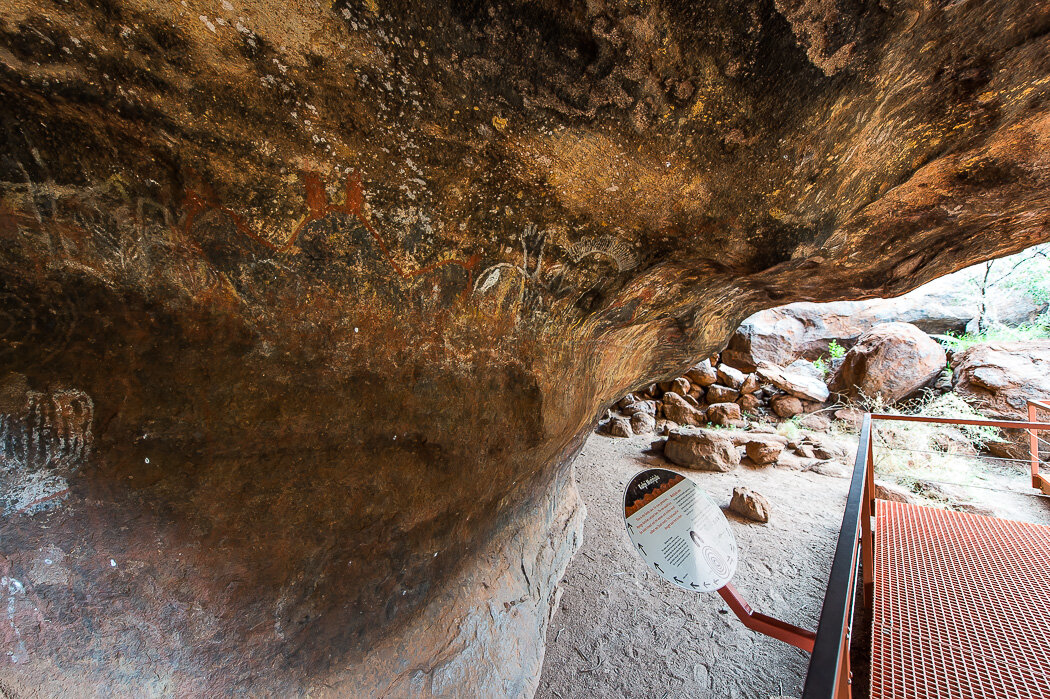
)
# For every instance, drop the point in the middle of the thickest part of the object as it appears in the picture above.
(315, 300)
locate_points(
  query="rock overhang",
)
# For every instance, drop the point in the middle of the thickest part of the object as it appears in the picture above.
(355, 278)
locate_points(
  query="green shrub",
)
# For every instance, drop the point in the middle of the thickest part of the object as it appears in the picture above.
(1037, 330)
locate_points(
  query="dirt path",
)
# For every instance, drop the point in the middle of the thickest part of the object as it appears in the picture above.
(621, 631)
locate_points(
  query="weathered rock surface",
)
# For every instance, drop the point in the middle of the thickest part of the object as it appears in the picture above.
(731, 377)
(749, 402)
(894, 493)
(805, 330)
(798, 383)
(1000, 379)
(680, 386)
(706, 450)
(678, 409)
(724, 414)
(643, 423)
(747, 503)
(891, 361)
(640, 406)
(703, 374)
(815, 421)
(721, 394)
(332, 291)
(619, 427)
(763, 452)
(786, 406)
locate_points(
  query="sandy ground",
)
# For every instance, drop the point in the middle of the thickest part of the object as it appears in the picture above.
(621, 631)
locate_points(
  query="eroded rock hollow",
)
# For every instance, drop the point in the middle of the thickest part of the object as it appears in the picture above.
(307, 306)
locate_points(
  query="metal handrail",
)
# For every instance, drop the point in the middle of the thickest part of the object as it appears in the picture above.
(829, 663)
(828, 676)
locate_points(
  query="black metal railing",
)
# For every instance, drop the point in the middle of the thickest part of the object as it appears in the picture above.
(829, 666)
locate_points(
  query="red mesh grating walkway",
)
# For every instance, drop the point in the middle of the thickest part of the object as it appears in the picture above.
(962, 606)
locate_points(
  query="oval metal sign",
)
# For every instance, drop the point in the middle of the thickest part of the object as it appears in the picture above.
(679, 531)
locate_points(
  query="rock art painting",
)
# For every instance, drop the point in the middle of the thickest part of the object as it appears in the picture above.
(306, 308)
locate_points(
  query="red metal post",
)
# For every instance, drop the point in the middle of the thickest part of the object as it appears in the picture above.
(774, 628)
(844, 686)
(1038, 480)
(867, 514)
(1033, 446)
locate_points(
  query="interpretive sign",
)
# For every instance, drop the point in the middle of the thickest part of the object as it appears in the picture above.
(679, 531)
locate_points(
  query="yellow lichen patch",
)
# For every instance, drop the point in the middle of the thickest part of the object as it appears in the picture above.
(631, 187)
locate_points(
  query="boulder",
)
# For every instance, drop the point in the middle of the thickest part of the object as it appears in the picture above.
(340, 268)
(763, 451)
(643, 423)
(749, 504)
(677, 409)
(749, 403)
(832, 469)
(999, 379)
(852, 417)
(724, 414)
(894, 493)
(798, 382)
(750, 385)
(806, 451)
(641, 406)
(626, 401)
(702, 374)
(805, 330)
(703, 449)
(679, 386)
(762, 432)
(786, 406)
(721, 394)
(730, 377)
(815, 421)
(892, 361)
(826, 447)
(618, 427)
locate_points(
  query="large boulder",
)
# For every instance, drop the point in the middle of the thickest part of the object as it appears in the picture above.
(892, 361)
(313, 303)
(703, 449)
(805, 330)
(999, 379)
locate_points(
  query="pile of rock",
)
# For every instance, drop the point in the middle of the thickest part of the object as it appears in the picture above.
(725, 450)
(715, 393)
(706, 449)
(890, 362)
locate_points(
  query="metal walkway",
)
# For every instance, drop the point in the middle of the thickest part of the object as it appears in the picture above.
(961, 606)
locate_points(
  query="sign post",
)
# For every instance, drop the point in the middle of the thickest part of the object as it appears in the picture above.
(681, 533)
